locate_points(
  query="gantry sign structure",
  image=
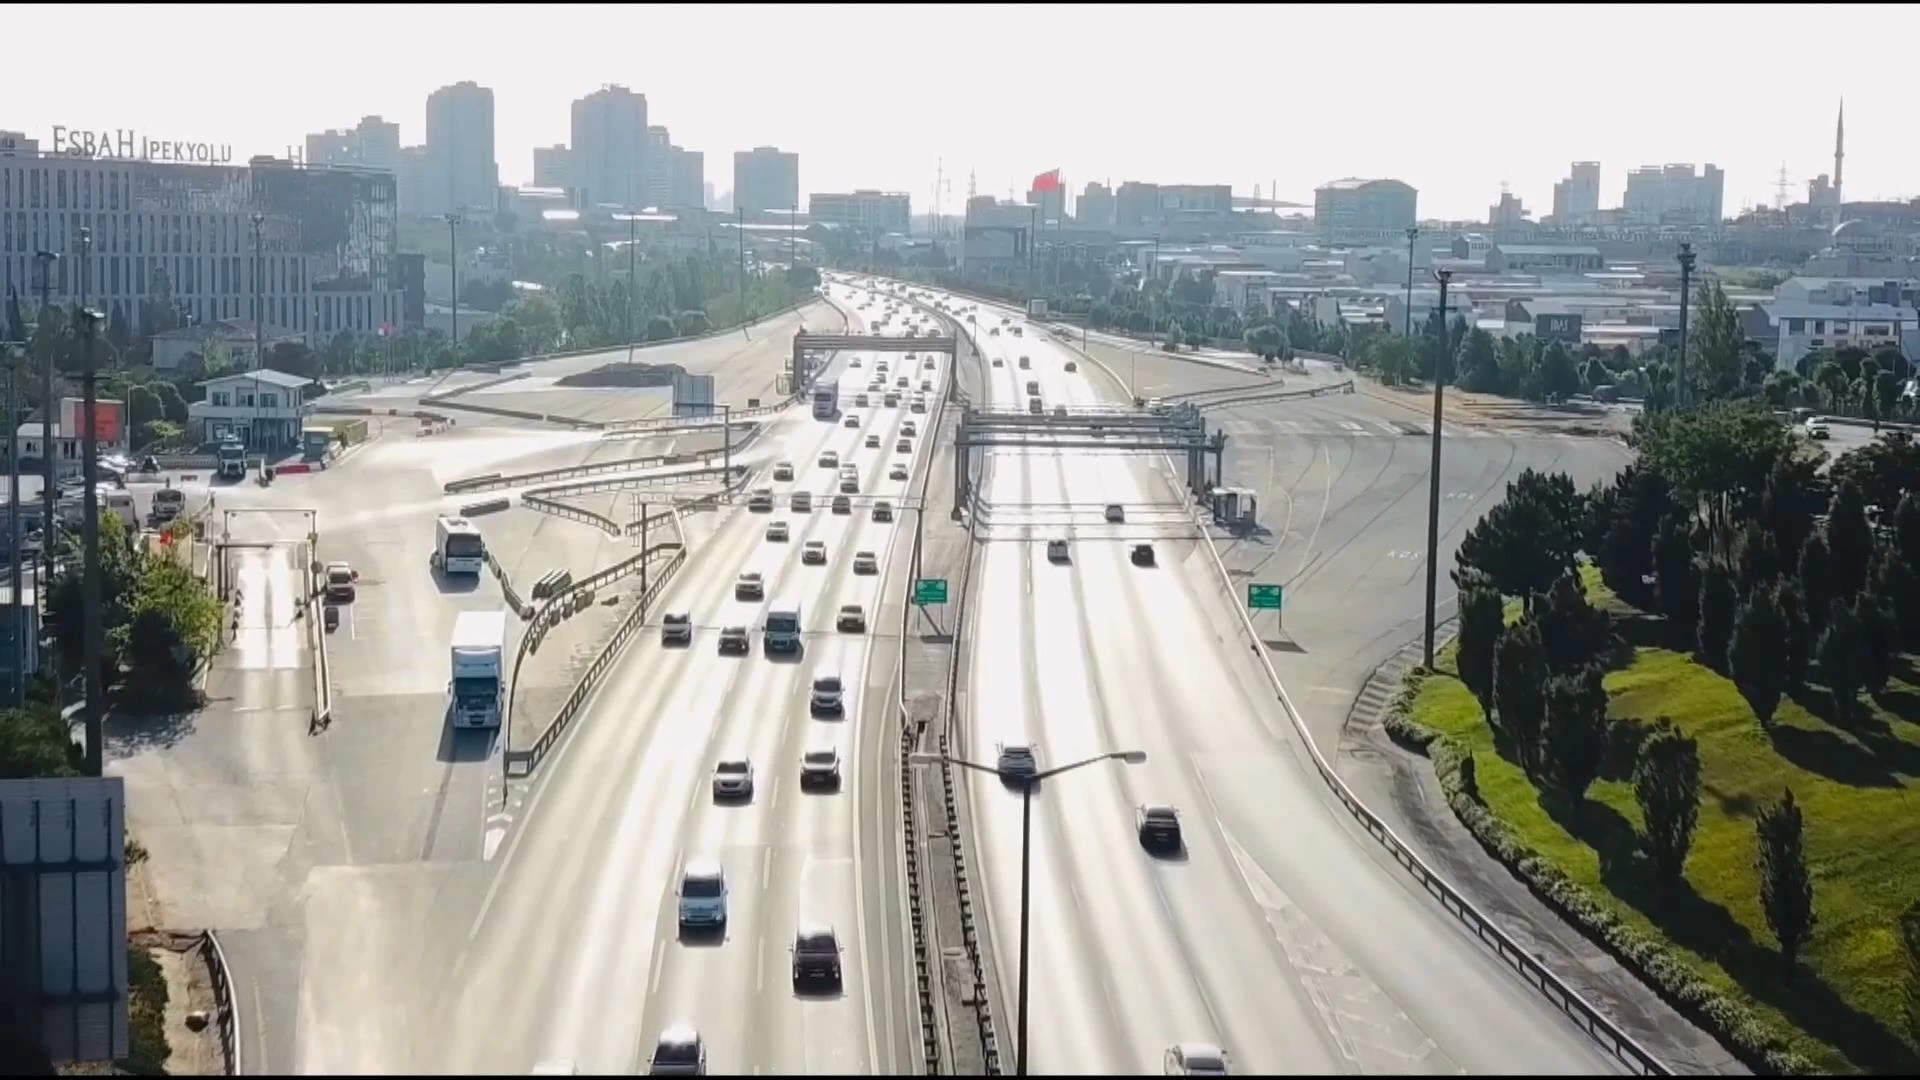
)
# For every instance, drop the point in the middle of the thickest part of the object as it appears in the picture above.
(1179, 431)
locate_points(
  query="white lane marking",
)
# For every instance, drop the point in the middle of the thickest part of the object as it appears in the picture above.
(659, 962)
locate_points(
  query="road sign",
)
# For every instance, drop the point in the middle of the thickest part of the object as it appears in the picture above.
(929, 591)
(1264, 597)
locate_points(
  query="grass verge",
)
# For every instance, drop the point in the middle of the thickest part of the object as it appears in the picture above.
(147, 1047)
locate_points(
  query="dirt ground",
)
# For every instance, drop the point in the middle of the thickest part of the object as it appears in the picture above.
(189, 984)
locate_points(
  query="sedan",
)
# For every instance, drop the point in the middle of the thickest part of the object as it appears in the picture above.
(750, 586)
(820, 768)
(864, 562)
(830, 459)
(1115, 515)
(860, 400)
(733, 639)
(852, 619)
(842, 504)
(873, 442)
(903, 446)
(898, 472)
(891, 401)
(783, 470)
(1159, 829)
(733, 778)
(814, 551)
(777, 532)
(1195, 1059)
(852, 420)
(883, 511)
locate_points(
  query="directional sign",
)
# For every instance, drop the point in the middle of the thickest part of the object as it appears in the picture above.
(929, 591)
(1264, 597)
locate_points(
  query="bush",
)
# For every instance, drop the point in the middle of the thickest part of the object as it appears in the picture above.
(147, 1047)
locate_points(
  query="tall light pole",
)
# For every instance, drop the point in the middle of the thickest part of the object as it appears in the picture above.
(633, 281)
(1027, 784)
(15, 353)
(1686, 258)
(48, 347)
(740, 227)
(1407, 330)
(259, 303)
(1433, 478)
(1033, 236)
(95, 627)
(453, 272)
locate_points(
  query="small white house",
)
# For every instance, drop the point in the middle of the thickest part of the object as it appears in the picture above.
(265, 409)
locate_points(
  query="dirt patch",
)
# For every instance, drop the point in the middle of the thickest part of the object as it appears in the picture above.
(632, 376)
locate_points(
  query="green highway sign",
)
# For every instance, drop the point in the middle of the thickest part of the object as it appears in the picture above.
(929, 591)
(1264, 597)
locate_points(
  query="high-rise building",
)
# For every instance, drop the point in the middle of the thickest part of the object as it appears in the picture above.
(866, 210)
(413, 179)
(462, 173)
(765, 178)
(373, 143)
(1576, 200)
(1507, 215)
(1095, 208)
(1674, 195)
(709, 199)
(659, 166)
(687, 185)
(553, 166)
(1368, 206)
(609, 148)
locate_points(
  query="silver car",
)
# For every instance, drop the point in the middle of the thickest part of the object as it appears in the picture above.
(733, 778)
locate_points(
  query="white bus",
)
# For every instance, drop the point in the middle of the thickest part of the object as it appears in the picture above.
(826, 400)
(458, 547)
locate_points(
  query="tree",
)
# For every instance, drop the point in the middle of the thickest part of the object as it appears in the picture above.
(1793, 499)
(1756, 560)
(1573, 633)
(1676, 581)
(1906, 529)
(294, 358)
(1895, 583)
(1757, 654)
(1718, 456)
(1908, 934)
(34, 742)
(1716, 367)
(1523, 544)
(1392, 359)
(1267, 341)
(1519, 679)
(173, 407)
(1799, 636)
(1623, 531)
(16, 325)
(1816, 582)
(1849, 541)
(1879, 640)
(143, 406)
(1482, 620)
(1842, 664)
(1575, 736)
(1559, 376)
(1717, 604)
(1479, 364)
(1666, 784)
(1786, 888)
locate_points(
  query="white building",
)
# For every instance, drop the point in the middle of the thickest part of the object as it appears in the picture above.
(461, 171)
(372, 144)
(232, 341)
(264, 408)
(866, 210)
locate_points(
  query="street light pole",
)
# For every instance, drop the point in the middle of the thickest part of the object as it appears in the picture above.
(633, 287)
(259, 336)
(1686, 258)
(16, 622)
(95, 644)
(453, 272)
(1433, 470)
(1407, 330)
(1027, 784)
(48, 347)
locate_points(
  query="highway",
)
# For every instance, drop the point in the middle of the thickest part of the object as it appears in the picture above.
(1284, 934)
(574, 953)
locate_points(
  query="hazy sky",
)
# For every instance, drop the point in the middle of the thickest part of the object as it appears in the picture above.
(1454, 99)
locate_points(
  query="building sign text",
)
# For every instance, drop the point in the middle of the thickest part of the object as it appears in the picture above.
(126, 144)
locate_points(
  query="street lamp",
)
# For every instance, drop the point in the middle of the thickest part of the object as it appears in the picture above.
(1027, 784)
(1433, 478)
(1406, 331)
(1686, 258)
(48, 345)
(94, 645)
(453, 272)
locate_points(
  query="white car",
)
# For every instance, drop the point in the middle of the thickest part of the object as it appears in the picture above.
(864, 562)
(750, 586)
(873, 442)
(777, 532)
(733, 778)
(828, 696)
(814, 551)
(820, 768)
(1817, 429)
(1195, 1059)
(680, 1051)
(898, 472)
(908, 429)
(854, 363)
(852, 619)
(783, 470)
(830, 459)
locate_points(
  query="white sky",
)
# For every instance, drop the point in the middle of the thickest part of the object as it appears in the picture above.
(1454, 99)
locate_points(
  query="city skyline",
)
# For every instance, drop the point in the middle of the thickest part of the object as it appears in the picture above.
(893, 141)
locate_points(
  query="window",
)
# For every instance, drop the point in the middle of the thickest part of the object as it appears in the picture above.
(1819, 343)
(246, 399)
(1796, 326)
(269, 401)
(1819, 326)
(220, 398)
(60, 187)
(1840, 326)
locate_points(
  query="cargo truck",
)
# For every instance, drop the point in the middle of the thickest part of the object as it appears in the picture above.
(479, 648)
(232, 459)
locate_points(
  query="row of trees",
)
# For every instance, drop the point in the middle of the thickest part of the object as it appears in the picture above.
(1768, 570)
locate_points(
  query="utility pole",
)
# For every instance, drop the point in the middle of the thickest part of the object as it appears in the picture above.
(453, 272)
(633, 280)
(740, 227)
(16, 621)
(259, 306)
(49, 522)
(1686, 295)
(1407, 330)
(1433, 471)
(95, 628)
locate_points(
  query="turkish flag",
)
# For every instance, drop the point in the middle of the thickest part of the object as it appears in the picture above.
(1047, 181)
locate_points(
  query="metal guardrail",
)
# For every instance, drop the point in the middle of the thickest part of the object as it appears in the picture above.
(1591, 1020)
(431, 398)
(226, 1005)
(495, 481)
(641, 480)
(513, 599)
(322, 675)
(1346, 387)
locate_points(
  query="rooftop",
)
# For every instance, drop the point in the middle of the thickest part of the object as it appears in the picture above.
(1354, 183)
(260, 375)
(1547, 249)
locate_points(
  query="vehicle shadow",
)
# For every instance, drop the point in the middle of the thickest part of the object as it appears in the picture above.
(463, 745)
(454, 584)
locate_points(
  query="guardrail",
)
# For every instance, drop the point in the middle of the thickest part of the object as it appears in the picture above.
(433, 398)
(1346, 387)
(322, 676)
(1591, 1020)
(626, 483)
(496, 481)
(506, 584)
(226, 1005)
(628, 625)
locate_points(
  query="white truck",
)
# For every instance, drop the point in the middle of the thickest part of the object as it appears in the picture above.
(479, 665)
(232, 459)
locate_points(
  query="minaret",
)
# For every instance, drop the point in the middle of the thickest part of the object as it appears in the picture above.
(1839, 159)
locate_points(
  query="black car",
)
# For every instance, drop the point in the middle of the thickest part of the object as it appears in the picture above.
(1143, 554)
(734, 639)
(816, 957)
(1159, 828)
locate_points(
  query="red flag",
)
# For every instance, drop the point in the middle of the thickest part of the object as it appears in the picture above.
(1047, 181)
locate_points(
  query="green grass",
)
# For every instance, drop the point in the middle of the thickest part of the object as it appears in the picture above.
(147, 1049)
(1855, 784)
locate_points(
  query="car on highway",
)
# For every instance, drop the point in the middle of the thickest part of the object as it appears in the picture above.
(873, 442)
(1016, 761)
(800, 502)
(874, 386)
(777, 532)
(919, 405)
(1059, 410)
(926, 385)
(1017, 333)
(995, 332)
(909, 429)
(928, 366)
(680, 1051)
(854, 363)
(1817, 428)
(1035, 407)
(898, 472)
(1072, 367)
(861, 400)
(341, 580)
(761, 501)
(842, 504)
(830, 459)
(827, 695)
(891, 401)
(1057, 551)
(783, 470)
(733, 778)
(852, 421)
(849, 482)
(676, 628)
(814, 551)
(903, 446)
(1159, 829)
(1142, 555)
(1025, 363)
(864, 562)
(1195, 1059)
(750, 585)
(881, 367)
(997, 362)
(816, 957)
(900, 383)
(852, 619)
(1115, 515)
(883, 511)
(734, 639)
(703, 893)
(820, 768)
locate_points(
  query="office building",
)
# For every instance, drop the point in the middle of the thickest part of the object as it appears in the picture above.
(656, 190)
(765, 178)
(328, 239)
(1576, 200)
(462, 173)
(1095, 208)
(1674, 195)
(1139, 204)
(686, 179)
(552, 166)
(371, 144)
(411, 178)
(1369, 206)
(866, 210)
(609, 148)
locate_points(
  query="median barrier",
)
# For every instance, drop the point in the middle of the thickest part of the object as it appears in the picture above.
(488, 481)
(641, 480)
(1597, 1026)
(483, 384)
(489, 506)
(226, 1005)
(1253, 397)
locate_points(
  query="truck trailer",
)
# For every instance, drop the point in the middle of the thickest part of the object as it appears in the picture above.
(479, 653)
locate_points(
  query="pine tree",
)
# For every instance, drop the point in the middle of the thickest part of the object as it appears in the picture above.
(1576, 732)
(1666, 784)
(1717, 605)
(1849, 541)
(1816, 583)
(1799, 637)
(1482, 620)
(1519, 683)
(1842, 665)
(1676, 580)
(1786, 888)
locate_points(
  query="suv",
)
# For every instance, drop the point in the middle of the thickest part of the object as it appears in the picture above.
(761, 501)
(733, 778)
(341, 580)
(827, 695)
(777, 532)
(750, 586)
(1142, 555)
(816, 956)
(703, 893)
(830, 459)
(680, 1051)
(1056, 551)
(820, 768)
(801, 502)
(842, 504)
(883, 511)
(1016, 761)
(676, 628)
(1024, 364)
(852, 619)
(1159, 829)
(1115, 515)
(783, 470)
(864, 562)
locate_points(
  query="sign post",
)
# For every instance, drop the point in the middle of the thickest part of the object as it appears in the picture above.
(1265, 597)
